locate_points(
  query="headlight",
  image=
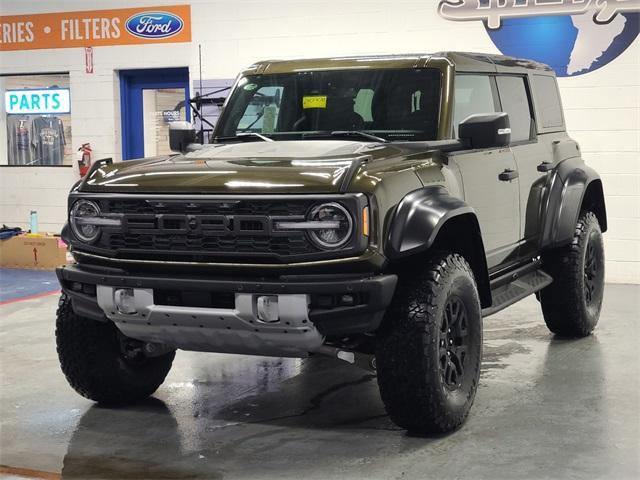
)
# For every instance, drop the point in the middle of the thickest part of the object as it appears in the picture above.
(333, 225)
(86, 220)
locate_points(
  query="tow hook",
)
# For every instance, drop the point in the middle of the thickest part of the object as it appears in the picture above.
(361, 360)
(137, 351)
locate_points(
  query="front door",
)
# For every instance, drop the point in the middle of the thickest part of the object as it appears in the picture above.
(494, 197)
(150, 101)
(495, 201)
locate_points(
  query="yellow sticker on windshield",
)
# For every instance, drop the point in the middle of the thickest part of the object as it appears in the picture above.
(314, 101)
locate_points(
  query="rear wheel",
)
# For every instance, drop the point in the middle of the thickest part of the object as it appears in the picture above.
(102, 364)
(571, 304)
(429, 347)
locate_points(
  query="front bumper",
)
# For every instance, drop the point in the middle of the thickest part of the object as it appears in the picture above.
(234, 328)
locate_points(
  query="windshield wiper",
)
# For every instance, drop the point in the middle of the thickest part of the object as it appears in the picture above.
(349, 133)
(244, 136)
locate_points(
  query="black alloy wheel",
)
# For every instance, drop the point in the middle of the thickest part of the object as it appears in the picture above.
(590, 272)
(453, 343)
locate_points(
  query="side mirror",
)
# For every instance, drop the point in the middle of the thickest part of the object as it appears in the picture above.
(485, 130)
(181, 134)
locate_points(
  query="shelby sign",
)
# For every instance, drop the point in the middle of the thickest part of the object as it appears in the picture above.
(30, 102)
(574, 37)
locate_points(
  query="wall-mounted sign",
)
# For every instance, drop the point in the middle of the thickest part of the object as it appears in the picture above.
(37, 101)
(572, 36)
(88, 59)
(170, 115)
(154, 25)
(96, 28)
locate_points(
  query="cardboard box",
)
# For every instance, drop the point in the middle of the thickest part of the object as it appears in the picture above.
(37, 252)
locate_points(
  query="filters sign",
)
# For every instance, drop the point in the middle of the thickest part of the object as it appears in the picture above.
(95, 28)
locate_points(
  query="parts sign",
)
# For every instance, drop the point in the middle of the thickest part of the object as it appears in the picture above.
(95, 28)
(35, 101)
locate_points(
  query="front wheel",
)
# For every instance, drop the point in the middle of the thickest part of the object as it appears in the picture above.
(571, 304)
(429, 347)
(102, 364)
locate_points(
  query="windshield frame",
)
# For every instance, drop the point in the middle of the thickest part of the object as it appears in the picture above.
(443, 129)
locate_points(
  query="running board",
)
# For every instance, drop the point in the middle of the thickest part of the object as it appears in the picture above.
(515, 286)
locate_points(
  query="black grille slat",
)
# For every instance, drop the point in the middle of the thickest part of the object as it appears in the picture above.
(158, 228)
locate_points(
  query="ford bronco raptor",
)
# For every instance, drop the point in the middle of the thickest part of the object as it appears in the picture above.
(370, 208)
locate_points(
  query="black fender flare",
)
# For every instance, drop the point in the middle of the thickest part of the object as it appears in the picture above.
(419, 218)
(571, 183)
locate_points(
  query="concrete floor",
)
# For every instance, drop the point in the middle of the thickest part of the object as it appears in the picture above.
(546, 408)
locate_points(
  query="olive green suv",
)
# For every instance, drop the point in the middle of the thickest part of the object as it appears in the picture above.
(370, 208)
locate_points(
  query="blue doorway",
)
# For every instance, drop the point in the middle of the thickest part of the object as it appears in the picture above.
(149, 101)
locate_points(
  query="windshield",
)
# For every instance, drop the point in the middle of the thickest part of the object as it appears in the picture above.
(390, 104)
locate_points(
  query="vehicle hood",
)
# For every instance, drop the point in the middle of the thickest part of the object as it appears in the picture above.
(316, 166)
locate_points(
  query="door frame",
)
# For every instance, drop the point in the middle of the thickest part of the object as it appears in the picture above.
(132, 83)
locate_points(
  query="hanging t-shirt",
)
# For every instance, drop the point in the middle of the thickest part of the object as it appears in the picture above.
(19, 135)
(48, 140)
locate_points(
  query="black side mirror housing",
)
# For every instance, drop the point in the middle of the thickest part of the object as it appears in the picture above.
(181, 134)
(485, 130)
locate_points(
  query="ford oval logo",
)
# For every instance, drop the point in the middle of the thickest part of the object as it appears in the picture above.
(154, 24)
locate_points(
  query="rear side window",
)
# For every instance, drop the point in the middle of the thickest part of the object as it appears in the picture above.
(547, 101)
(515, 101)
(472, 95)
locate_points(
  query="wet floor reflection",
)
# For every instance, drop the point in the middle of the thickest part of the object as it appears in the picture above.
(283, 417)
(139, 442)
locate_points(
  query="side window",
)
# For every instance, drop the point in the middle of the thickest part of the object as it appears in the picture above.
(472, 94)
(547, 101)
(515, 101)
(261, 115)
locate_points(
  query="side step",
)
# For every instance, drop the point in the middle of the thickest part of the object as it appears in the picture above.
(514, 286)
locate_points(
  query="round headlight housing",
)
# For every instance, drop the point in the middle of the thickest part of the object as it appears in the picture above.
(83, 220)
(334, 225)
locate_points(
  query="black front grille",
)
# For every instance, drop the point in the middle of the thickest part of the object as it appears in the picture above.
(297, 245)
(202, 230)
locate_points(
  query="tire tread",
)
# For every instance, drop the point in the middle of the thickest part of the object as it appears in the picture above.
(407, 379)
(92, 366)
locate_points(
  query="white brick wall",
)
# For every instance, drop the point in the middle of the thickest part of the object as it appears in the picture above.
(602, 108)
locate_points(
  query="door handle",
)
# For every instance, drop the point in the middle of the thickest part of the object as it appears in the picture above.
(545, 167)
(508, 175)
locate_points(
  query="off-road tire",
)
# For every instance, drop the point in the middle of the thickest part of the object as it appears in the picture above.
(409, 347)
(91, 359)
(571, 304)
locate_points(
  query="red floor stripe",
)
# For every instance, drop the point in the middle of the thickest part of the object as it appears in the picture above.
(30, 297)
(28, 473)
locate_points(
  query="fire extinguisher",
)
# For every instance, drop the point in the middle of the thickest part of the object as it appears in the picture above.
(84, 158)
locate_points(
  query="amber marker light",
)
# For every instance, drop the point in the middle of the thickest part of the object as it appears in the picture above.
(365, 221)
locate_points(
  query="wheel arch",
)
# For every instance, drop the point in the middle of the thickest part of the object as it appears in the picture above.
(575, 187)
(593, 199)
(431, 219)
